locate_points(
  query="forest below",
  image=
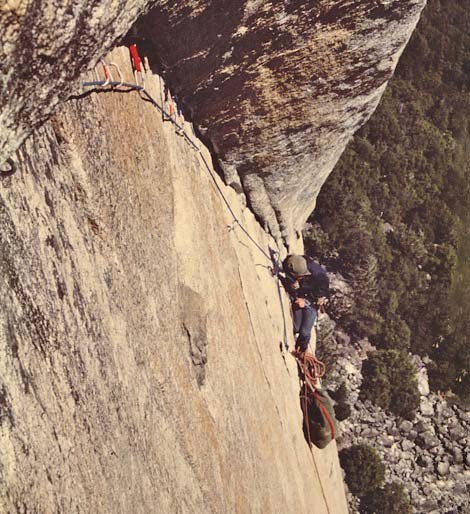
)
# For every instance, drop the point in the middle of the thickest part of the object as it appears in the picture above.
(393, 218)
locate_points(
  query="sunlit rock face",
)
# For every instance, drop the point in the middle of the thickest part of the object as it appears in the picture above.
(278, 88)
(44, 47)
(141, 368)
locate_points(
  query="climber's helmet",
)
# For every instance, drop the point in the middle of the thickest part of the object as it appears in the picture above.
(296, 265)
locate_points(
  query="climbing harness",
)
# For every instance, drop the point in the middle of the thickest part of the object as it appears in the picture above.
(7, 173)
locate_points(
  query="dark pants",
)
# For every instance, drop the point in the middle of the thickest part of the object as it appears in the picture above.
(304, 320)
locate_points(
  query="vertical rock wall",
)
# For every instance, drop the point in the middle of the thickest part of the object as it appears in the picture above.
(44, 47)
(278, 88)
(140, 361)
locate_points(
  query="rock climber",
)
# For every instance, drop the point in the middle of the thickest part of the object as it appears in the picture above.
(308, 285)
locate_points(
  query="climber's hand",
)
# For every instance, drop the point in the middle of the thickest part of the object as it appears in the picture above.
(300, 302)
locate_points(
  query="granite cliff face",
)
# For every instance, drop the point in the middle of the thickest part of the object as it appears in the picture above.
(44, 48)
(278, 88)
(140, 361)
(140, 330)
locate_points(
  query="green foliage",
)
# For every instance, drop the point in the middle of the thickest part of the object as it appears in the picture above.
(398, 237)
(342, 407)
(364, 470)
(395, 334)
(342, 411)
(389, 381)
(391, 499)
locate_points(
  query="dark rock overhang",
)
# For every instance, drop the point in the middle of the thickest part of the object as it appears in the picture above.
(278, 88)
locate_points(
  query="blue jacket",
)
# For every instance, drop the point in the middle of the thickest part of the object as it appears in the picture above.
(313, 286)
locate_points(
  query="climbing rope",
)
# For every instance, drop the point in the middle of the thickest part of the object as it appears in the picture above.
(139, 86)
(312, 370)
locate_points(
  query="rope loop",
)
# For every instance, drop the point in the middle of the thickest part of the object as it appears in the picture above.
(311, 367)
(121, 79)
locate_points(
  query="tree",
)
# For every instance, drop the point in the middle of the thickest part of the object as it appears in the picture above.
(391, 499)
(389, 381)
(364, 470)
(342, 407)
(395, 334)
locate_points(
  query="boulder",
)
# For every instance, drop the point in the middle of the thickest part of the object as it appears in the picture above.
(420, 426)
(427, 440)
(426, 407)
(443, 468)
(437, 449)
(406, 426)
(387, 441)
(445, 484)
(342, 338)
(464, 416)
(369, 433)
(457, 455)
(423, 382)
(460, 488)
(457, 434)
(442, 428)
(428, 505)
(406, 445)
(443, 410)
(424, 461)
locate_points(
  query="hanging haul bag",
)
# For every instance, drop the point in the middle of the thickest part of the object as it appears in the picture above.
(320, 425)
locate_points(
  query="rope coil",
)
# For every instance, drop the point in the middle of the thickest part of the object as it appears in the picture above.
(312, 368)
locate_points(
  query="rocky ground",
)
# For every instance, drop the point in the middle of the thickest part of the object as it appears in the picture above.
(430, 455)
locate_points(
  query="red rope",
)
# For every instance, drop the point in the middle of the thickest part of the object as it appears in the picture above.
(312, 369)
(326, 414)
